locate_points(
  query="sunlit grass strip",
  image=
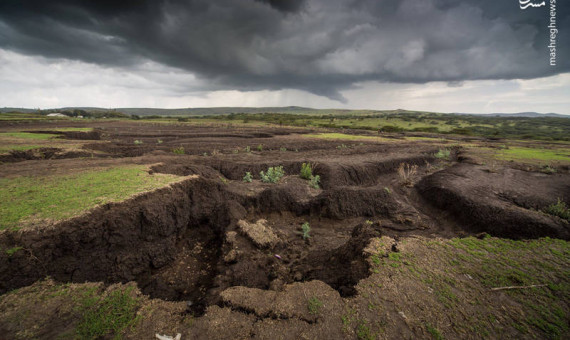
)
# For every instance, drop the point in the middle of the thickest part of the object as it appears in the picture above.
(347, 137)
(31, 199)
(27, 135)
(520, 153)
(8, 148)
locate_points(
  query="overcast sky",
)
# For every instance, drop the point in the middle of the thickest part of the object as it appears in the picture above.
(437, 55)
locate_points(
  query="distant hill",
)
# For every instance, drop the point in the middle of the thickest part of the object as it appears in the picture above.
(206, 111)
(519, 114)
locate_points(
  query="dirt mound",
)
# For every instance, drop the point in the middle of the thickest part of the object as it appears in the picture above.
(485, 202)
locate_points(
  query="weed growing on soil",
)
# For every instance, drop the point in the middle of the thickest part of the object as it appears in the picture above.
(443, 154)
(247, 149)
(363, 332)
(248, 177)
(547, 169)
(138, 142)
(407, 172)
(306, 228)
(387, 190)
(282, 149)
(314, 305)
(273, 174)
(159, 141)
(558, 209)
(260, 147)
(434, 332)
(314, 182)
(178, 150)
(224, 180)
(108, 316)
(12, 251)
(306, 171)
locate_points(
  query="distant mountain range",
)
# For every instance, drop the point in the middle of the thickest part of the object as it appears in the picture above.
(204, 111)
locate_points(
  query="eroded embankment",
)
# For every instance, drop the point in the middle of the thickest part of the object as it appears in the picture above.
(505, 204)
(174, 243)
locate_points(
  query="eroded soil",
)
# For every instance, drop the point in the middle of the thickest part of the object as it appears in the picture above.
(216, 257)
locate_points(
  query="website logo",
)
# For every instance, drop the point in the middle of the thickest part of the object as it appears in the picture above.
(527, 3)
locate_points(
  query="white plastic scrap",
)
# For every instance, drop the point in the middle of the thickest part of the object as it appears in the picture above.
(168, 337)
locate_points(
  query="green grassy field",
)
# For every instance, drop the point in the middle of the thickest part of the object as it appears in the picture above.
(27, 135)
(26, 200)
(523, 153)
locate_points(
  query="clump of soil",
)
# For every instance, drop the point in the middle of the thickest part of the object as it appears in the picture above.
(503, 204)
(262, 235)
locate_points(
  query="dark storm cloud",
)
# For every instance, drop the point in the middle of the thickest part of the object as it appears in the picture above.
(320, 46)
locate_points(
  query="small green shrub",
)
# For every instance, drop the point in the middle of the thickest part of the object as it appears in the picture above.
(387, 190)
(138, 142)
(314, 182)
(247, 149)
(248, 177)
(159, 141)
(306, 171)
(282, 149)
(273, 174)
(306, 228)
(260, 147)
(443, 154)
(558, 209)
(178, 150)
(224, 180)
(314, 305)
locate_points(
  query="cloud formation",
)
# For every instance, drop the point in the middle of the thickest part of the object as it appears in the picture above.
(319, 46)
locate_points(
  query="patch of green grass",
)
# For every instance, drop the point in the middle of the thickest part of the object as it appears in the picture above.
(106, 316)
(8, 148)
(363, 332)
(345, 137)
(58, 197)
(523, 153)
(27, 135)
(314, 305)
(434, 332)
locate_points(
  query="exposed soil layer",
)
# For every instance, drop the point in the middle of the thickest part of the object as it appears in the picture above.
(233, 248)
(177, 244)
(506, 203)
